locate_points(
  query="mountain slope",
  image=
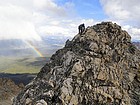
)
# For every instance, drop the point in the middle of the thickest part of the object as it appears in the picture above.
(97, 68)
(8, 89)
(22, 65)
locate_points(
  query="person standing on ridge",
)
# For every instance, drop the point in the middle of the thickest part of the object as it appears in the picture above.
(81, 28)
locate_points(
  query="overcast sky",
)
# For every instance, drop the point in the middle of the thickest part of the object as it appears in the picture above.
(31, 19)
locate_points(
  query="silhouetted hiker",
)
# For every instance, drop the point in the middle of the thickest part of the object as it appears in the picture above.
(81, 28)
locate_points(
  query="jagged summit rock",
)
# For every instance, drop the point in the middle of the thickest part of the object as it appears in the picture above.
(99, 67)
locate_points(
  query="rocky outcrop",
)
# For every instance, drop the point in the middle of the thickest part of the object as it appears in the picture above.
(100, 67)
(8, 89)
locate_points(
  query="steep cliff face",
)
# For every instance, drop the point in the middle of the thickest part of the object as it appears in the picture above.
(100, 67)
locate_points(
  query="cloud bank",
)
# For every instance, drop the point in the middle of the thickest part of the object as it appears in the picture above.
(31, 19)
(16, 20)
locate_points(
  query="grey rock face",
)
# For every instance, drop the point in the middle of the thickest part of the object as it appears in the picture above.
(100, 67)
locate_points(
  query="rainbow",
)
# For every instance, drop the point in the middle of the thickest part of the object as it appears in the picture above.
(34, 48)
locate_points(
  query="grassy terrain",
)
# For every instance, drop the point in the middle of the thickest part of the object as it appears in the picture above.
(21, 65)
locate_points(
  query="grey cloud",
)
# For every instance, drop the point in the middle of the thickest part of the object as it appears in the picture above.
(125, 12)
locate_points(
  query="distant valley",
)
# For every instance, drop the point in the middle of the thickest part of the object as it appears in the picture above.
(28, 56)
(22, 65)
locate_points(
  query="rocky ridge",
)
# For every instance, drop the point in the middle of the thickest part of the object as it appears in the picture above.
(100, 67)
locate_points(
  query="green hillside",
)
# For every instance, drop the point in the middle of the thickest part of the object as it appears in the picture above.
(22, 65)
